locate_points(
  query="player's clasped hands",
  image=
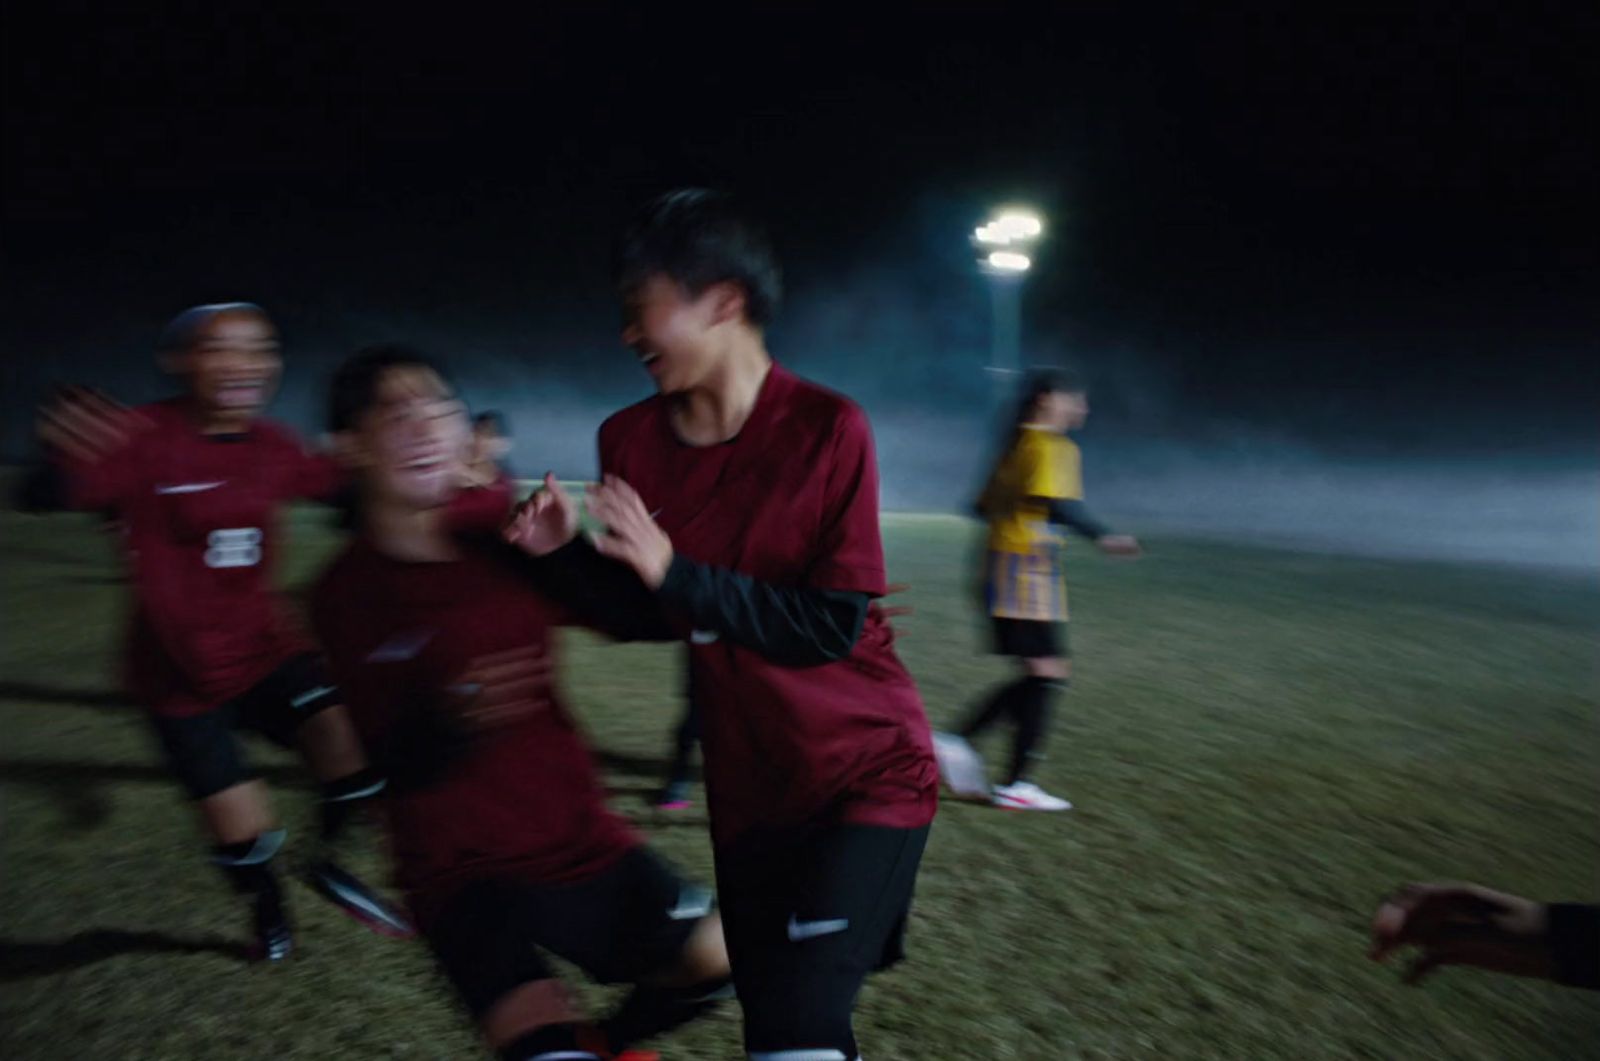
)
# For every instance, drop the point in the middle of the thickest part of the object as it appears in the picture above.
(86, 425)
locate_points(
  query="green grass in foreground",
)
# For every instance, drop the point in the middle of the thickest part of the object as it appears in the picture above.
(1259, 743)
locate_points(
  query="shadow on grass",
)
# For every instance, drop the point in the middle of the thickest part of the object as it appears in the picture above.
(25, 959)
(82, 790)
(49, 694)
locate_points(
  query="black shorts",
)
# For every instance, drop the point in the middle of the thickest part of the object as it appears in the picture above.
(807, 916)
(203, 751)
(1030, 638)
(620, 926)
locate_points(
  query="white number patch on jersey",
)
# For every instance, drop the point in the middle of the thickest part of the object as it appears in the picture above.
(234, 547)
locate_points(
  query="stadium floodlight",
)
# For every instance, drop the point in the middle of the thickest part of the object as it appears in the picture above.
(1001, 243)
(1009, 262)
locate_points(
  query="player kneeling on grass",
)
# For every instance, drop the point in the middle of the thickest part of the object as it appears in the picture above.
(501, 836)
(747, 499)
(1036, 486)
(197, 484)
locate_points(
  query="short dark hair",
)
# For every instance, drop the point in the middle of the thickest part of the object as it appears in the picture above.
(355, 383)
(179, 331)
(490, 418)
(699, 237)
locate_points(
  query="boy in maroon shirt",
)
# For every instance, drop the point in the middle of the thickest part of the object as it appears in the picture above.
(503, 843)
(747, 498)
(196, 483)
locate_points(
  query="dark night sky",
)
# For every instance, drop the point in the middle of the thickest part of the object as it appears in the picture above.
(1365, 228)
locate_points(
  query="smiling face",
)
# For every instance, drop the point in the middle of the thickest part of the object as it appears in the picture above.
(680, 338)
(409, 446)
(231, 363)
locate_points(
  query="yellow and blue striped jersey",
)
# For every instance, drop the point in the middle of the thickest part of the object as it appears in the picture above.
(1024, 579)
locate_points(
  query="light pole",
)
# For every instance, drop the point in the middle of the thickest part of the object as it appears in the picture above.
(1002, 244)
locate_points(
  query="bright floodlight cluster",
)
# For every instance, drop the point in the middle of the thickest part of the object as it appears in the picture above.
(1009, 234)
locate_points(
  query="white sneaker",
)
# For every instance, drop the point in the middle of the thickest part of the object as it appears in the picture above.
(960, 766)
(1025, 795)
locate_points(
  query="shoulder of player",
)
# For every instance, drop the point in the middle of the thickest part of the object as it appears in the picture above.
(822, 407)
(277, 435)
(624, 422)
(631, 416)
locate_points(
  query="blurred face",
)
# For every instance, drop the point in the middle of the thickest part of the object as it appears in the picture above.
(410, 446)
(1063, 410)
(232, 365)
(679, 339)
(488, 444)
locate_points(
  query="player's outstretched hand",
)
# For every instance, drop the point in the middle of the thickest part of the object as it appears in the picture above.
(546, 521)
(895, 611)
(87, 426)
(1463, 924)
(632, 535)
(1120, 545)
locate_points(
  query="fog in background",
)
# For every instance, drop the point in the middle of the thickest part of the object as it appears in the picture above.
(1379, 473)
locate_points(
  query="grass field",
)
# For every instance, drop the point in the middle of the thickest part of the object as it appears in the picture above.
(1259, 743)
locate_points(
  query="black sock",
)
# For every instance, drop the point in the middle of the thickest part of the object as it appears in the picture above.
(248, 863)
(343, 797)
(650, 1011)
(552, 1041)
(1032, 711)
(997, 706)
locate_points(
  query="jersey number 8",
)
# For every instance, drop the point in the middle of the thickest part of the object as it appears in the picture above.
(234, 547)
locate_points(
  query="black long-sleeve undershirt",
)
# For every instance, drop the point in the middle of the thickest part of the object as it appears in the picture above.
(795, 626)
(1575, 943)
(1075, 515)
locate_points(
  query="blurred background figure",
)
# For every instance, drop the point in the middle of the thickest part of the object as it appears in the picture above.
(491, 448)
(1036, 486)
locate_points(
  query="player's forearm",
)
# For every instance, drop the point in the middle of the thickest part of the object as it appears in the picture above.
(794, 626)
(601, 593)
(1075, 515)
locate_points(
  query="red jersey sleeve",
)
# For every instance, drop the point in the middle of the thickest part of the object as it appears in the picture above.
(849, 552)
(109, 482)
(481, 509)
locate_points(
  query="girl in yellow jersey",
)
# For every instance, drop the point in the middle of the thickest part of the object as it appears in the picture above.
(1035, 488)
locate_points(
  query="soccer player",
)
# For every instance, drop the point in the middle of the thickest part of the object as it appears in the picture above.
(502, 840)
(747, 498)
(1036, 486)
(491, 445)
(197, 483)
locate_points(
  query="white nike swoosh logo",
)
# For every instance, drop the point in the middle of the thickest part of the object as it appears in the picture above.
(188, 488)
(802, 930)
(310, 695)
(401, 647)
(702, 637)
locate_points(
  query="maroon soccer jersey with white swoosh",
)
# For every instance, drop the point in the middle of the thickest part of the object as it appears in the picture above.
(199, 516)
(792, 500)
(509, 787)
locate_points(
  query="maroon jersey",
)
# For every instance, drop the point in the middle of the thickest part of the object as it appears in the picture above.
(199, 518)
(515, 793)
(792, 500)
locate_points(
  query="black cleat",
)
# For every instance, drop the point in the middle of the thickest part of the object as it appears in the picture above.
(348, 893)
(274, 937)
